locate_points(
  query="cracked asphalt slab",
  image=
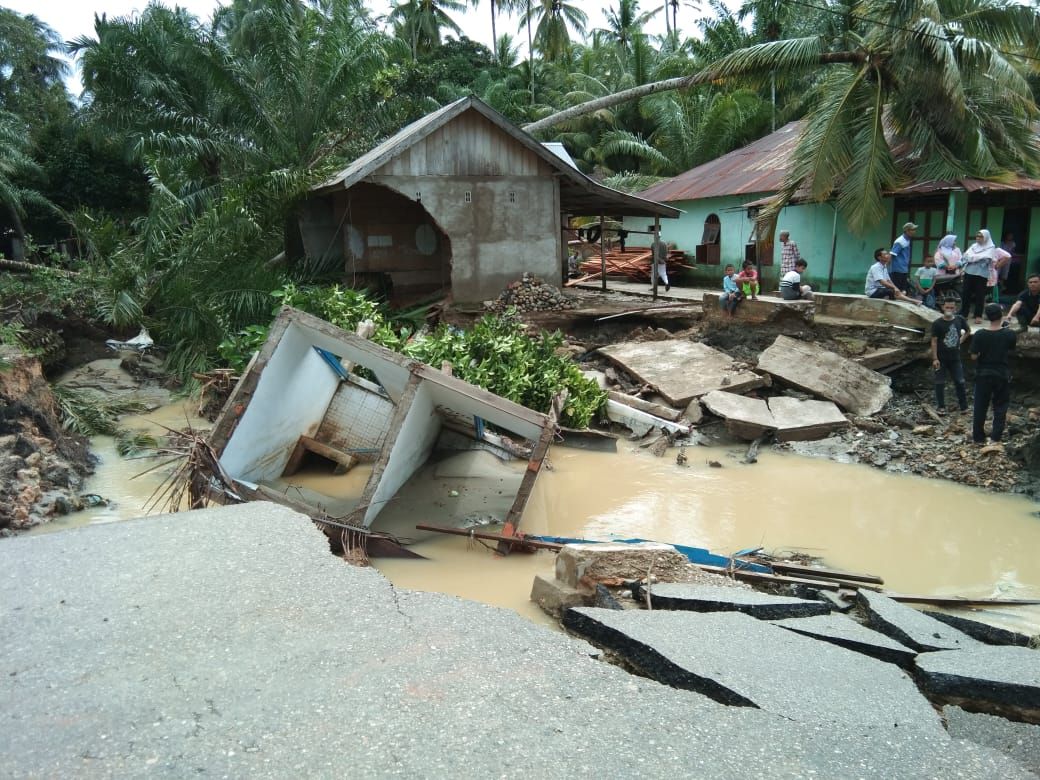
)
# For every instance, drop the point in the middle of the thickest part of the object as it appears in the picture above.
(230, 642)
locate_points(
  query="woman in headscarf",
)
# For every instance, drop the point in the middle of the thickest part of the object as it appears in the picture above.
(978, 259)
(948, 256)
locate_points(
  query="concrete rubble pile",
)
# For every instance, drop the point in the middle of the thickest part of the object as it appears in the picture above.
(531, 293)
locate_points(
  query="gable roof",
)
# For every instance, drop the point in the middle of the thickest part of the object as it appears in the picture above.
(755, 168)
(760, 168)
(579, 194)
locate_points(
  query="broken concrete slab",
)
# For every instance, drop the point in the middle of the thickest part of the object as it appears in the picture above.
(554, 597)
(859, 308)
(910, 626)
(888, 359)
(1001, 681)
(682, 370)
(826, 374)
(746, 418)
(738, 660)
(664, 412)
(715, 598)
(641, 423)
(582, 565)
(798, 420)
(845, 632)
(791, 419)
(767, 309)
(984, 632)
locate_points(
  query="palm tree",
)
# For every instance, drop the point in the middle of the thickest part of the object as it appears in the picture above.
(17, 164)
(233, 122)
(30, 72)
(946, 76)
(625, 23)
(552, 37)
(421, 22)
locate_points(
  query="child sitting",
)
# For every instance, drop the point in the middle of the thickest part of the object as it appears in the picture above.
(731, 294)
(748, 280)
(924, 281)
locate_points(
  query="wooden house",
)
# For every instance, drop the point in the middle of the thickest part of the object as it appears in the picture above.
(460, 201)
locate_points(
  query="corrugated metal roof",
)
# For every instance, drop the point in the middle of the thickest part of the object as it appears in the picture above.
(557, 148)
(579, 195)
(757, 167)
(760, 167)
(1017, 184)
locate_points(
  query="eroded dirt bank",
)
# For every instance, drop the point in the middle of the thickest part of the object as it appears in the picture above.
(42, 466)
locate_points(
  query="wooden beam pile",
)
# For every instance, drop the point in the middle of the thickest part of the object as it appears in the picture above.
(633, 263)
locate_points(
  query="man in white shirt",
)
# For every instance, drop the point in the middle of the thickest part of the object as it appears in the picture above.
(879, 283)
(791, 287)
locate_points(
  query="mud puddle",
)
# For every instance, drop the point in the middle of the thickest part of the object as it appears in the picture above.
(926, 537)
(127, 484)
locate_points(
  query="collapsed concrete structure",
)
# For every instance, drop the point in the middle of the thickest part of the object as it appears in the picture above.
(303, 397)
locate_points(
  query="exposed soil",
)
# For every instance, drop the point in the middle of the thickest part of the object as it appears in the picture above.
(42, 466)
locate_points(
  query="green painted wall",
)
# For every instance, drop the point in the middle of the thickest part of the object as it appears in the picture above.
(812, 227)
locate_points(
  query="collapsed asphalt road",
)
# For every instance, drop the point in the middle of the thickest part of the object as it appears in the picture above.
(229, 641)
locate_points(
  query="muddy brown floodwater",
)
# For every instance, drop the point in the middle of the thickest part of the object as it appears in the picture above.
(923, 536)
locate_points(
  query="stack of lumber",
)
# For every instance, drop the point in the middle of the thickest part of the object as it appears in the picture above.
(633, 263)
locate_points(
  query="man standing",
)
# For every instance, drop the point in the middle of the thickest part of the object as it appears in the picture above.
(900, 269)
(948, 333)
(659, 250)
(879, 283)
(990, 347)
(789, 254)
(1027, 305)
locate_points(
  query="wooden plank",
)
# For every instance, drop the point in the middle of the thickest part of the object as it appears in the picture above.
(517, 541)
(789, 568)
(534, 465)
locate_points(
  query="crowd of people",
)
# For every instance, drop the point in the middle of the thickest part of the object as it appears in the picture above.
(977, 269)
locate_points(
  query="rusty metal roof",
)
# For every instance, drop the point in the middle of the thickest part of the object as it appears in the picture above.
(756, 168)
(579, 195)
(1016, 184)
(760, 168)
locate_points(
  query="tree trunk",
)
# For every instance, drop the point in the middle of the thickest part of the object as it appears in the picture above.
(680, 82)
(494, 34)
(530, 50)
(16, 222)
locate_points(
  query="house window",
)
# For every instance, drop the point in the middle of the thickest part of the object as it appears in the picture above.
(709, 250)
(380, 241)
(512, 197)
(468, 196)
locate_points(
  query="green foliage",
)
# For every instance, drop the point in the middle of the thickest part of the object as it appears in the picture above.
(133, 443)
(498, 355)
(343, 307)
(238, 348)
(89, 413)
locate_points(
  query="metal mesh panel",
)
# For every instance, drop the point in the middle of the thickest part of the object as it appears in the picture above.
(357, 419)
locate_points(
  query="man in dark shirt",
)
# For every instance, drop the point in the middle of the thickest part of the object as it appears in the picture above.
(1027, 305)
(948, 334)
(990, 347)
